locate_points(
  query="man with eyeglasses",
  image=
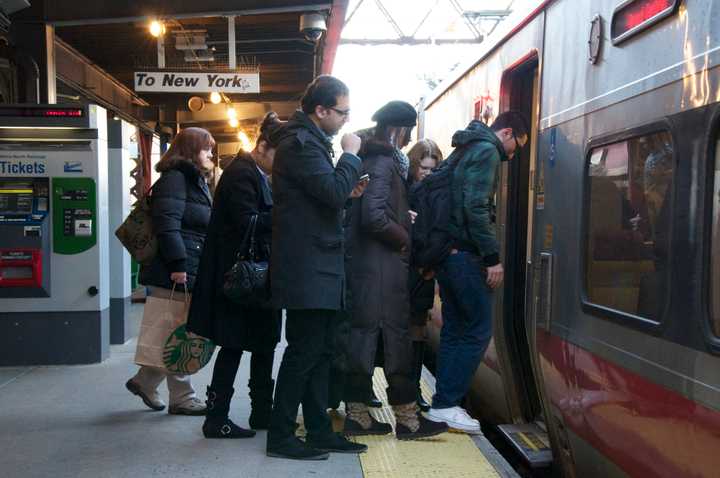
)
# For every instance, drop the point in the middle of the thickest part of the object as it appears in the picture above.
(307, 271)
(473, 270)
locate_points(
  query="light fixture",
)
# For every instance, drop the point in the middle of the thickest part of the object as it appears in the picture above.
(231, 113)
(234, 123)
(157, 28)
(215, 98)
(244, 141)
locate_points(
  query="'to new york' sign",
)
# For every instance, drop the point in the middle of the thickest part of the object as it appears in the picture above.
(173, 82)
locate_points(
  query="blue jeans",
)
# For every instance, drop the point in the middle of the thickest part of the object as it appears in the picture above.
(467, 326)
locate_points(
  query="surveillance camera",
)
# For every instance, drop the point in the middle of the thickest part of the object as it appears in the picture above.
(312, 25)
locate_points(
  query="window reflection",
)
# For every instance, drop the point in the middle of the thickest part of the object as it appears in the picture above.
(715, 279)
(629, 224)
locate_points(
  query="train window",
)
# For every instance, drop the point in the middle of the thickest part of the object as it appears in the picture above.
(715, 277)
(628, 225)
(633, 16)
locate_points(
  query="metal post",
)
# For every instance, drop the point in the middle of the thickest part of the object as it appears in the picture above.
(232, 57)
(161, 51)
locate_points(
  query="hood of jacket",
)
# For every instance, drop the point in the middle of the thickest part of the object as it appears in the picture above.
(300, 122)
(371, 146)
(478, 131)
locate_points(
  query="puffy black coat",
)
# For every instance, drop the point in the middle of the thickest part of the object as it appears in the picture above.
(181, 205)
(241, 193)
(422, 292)
(307, 269)
(378, 239)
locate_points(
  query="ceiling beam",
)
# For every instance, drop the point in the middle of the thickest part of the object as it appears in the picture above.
(65, 13)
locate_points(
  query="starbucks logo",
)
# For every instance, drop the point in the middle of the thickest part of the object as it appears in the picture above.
(186, 352)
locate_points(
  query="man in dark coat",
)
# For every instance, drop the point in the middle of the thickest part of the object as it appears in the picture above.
(307, 273)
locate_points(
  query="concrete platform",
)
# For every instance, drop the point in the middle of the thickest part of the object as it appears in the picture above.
(80, 421)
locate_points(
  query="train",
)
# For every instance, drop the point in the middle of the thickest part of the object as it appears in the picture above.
(607, 327)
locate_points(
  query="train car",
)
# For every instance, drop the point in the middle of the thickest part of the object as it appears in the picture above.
(607, 328)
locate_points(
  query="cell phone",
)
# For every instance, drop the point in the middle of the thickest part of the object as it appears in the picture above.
(364, 177)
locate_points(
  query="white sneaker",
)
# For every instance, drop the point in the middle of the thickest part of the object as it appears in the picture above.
(456, 418)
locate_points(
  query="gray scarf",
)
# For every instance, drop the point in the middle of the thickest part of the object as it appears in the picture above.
(403, 162)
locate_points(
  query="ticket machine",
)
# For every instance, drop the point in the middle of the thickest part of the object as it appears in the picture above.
(54, 263)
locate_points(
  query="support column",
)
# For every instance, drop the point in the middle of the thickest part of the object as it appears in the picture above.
(120, 165)
(232, 56)
(37, 40)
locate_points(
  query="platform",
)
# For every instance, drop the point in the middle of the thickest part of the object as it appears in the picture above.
(81, 422)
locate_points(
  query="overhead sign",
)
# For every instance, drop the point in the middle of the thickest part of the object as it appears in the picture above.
(206, 82)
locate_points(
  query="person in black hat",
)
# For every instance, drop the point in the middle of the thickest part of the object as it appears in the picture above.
(378, 242)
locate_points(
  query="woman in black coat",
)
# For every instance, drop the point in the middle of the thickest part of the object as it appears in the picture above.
(424, 156)
(181, 205)
(243, 193)
(378, 250)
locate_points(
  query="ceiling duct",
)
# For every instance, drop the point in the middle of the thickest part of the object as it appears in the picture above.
(199, 55)
(194, 41)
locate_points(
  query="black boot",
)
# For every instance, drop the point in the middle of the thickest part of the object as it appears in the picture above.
(217, 423)
(418, 354)
(261, 402)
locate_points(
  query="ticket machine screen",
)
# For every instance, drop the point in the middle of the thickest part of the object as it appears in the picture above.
(16, 199)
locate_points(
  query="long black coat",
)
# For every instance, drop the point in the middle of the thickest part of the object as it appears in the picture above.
(307, 269)
(241, 193)
(422, 292)
(378, 240)
(181, 205)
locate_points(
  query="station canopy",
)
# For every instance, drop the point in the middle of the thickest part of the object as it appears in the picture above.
(274, 59)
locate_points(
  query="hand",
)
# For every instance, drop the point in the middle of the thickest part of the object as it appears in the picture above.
(413, 216)
(179, 277)
(359, 189)
(350, 143)
(495, 276)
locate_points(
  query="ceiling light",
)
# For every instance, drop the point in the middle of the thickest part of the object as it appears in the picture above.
(234, 123)
(244, 141)
(157, 28)
(215, 98)
(231, 113)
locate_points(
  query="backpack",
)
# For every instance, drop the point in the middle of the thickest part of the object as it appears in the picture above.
(431, 198)
(136, 232)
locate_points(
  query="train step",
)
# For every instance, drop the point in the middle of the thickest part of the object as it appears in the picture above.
(531, 441)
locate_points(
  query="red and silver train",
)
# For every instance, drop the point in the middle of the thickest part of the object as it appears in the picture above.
(607, 329)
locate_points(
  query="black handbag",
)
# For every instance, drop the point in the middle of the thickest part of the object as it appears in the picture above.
(247, 282)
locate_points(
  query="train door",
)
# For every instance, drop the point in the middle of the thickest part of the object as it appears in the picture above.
(520, 92)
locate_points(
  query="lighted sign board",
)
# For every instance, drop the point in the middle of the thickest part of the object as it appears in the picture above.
(633, 16)
(206, 82)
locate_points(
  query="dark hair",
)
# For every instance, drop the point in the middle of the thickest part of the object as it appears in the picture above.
(392, 135)
(511, 119)
(270, 126)
(421, 150)
(323, 91)
(185, 147)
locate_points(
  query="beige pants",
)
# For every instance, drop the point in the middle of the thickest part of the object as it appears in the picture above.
(179, 386)
(150, 378)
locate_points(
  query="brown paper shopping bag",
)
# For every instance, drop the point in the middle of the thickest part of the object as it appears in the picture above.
(163, 341)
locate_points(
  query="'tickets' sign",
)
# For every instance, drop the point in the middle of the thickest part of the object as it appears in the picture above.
(206, 82)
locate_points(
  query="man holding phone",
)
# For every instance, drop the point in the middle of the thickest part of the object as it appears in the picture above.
(306, 269)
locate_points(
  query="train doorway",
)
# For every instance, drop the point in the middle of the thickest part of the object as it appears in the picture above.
(520, 92)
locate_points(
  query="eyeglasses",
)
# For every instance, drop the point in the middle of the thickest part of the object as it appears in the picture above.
(344, 113)
(518, 146)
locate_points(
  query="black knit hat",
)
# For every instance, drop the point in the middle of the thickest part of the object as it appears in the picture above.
(396, 113)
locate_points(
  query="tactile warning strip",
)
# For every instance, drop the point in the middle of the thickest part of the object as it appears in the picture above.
(449, 455)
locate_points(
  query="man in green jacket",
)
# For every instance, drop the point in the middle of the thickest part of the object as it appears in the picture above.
(473, 269)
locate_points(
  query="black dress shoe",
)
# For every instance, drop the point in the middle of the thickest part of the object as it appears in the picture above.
(337, 443)
(225, 429)
(295, 449)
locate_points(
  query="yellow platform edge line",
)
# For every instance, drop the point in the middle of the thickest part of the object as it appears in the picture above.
(450, 455)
